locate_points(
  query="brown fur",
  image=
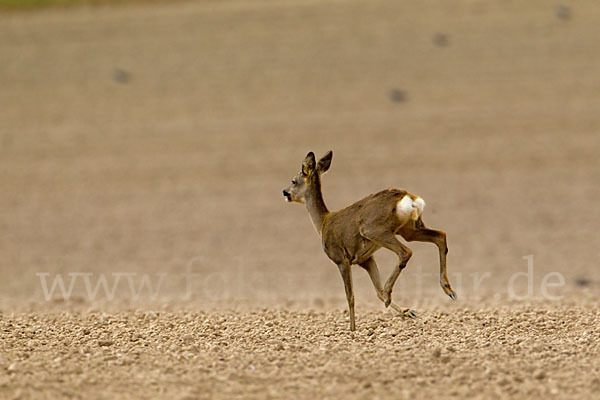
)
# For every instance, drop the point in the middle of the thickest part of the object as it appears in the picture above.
(351, 235)
(342, 229)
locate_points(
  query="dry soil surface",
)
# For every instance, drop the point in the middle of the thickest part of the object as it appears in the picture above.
(507, 352)
(143, 150)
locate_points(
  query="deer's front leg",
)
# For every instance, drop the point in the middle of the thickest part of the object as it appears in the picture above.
(346, 273)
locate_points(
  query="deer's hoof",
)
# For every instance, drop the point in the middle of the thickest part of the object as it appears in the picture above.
(448, 290)
(409, 313)
(387, 303)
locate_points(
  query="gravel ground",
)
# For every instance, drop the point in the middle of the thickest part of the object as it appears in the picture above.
(494, 353)
(148, 145)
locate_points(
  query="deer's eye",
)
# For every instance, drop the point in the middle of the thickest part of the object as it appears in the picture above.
(294, 181)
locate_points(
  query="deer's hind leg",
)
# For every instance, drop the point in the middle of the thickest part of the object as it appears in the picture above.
(387, 239)
(420, 233)
(371, 267)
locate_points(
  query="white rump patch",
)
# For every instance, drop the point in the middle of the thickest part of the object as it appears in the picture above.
(419, 204)
(408, 208)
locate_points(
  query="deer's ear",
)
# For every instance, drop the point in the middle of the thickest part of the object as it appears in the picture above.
(308, 165)
(325, 162)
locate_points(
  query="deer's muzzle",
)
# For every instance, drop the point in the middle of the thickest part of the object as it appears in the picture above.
(287, 195)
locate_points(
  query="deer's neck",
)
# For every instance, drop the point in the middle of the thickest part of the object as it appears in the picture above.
(316, 206)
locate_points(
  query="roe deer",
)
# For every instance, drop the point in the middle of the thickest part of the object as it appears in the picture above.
(351, 236)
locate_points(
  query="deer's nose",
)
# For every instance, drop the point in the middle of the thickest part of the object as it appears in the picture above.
(287, 195)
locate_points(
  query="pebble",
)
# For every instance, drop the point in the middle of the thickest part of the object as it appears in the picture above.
(539, 374)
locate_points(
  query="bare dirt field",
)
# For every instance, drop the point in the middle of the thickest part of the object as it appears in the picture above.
(143, 150)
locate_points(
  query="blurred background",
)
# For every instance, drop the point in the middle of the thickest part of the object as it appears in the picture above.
(147, 137)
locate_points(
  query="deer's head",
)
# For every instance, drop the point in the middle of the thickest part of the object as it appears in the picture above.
(308, 178)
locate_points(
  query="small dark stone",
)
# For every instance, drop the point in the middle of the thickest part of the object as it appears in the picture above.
(441, 40)
(397, 96)
(582, 282)
(539, 374)
(562, 12)
(121, 76)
